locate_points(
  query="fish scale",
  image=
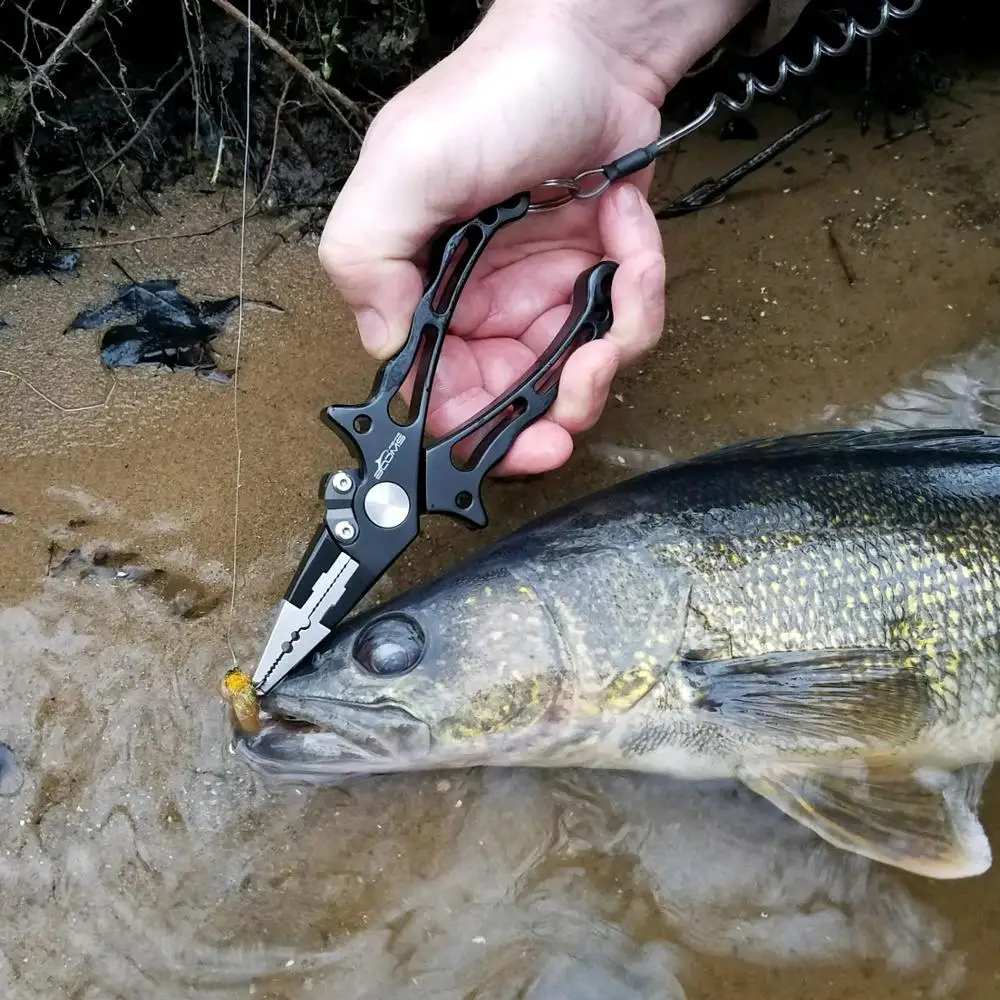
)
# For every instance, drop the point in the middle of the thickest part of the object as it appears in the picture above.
(851, 574)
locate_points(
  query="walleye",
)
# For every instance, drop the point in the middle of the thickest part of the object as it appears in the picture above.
(815, 615)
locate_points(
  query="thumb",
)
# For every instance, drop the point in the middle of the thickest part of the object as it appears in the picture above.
(373, 234)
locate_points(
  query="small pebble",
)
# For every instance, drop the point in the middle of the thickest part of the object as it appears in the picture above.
(11, 775)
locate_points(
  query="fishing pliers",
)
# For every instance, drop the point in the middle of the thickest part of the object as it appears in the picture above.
(373, 511)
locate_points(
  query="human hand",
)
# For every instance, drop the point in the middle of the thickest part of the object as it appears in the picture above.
(542, 88)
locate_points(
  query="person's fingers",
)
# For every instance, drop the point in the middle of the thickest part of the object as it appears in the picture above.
(505, 302)
(540, 447)
(586, 376)
(483, 371)
(376, 228)
(631, 237)
(584, 386)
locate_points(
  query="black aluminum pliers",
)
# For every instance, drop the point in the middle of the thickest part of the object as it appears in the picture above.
(373, 512)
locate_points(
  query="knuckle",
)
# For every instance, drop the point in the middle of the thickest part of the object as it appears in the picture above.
(335, 254)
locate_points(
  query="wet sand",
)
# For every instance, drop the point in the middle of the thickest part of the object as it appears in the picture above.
(140, 860)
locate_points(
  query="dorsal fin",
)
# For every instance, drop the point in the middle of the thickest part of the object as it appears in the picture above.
(954, 441)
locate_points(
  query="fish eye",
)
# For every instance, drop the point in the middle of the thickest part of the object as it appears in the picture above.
(390, 646)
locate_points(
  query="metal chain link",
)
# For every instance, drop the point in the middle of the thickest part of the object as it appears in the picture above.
(592, 183)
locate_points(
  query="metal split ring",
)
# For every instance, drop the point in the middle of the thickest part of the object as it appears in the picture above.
(574, 189)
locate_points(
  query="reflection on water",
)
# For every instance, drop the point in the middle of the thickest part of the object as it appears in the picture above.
(960, 391)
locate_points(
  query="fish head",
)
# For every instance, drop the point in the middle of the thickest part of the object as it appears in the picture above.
(456, 673)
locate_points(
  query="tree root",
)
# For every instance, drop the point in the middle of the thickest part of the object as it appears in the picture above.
(28, 189)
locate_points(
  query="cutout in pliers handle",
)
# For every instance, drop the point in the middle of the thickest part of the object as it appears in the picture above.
(457, 489)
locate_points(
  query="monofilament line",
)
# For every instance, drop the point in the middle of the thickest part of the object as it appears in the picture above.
(239, 343)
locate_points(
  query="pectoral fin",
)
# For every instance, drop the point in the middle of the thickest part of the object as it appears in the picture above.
(835, 697)
(921, 820)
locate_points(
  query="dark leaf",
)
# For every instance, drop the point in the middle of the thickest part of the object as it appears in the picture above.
(157, 325)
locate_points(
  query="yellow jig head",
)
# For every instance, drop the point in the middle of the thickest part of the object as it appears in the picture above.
(238, 691)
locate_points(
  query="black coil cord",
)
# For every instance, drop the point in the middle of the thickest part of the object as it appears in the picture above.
(592, 183)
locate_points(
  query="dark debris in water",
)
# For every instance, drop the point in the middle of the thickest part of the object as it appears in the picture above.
(166, 328)
(712, 190)
(186, 597)
(11, 775)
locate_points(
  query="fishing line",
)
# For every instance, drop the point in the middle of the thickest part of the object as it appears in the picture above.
(239, 343)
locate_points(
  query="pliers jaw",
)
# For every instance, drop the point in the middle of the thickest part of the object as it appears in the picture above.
(317, 590)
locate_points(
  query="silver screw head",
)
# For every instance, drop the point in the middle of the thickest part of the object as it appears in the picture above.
(345, 531)
(342, 482)
(387, 505)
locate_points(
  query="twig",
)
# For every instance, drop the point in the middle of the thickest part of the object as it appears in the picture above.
(59, 406)
(311, 76)
(279, 237)
(122, 150)
(218, 160)
(97, 181)
(274, 146)
(196, 82)
(838, 252)
(120, 94)
(894, 137)
(28, 187)
(158, 236)
(24, 88)
(709, 191)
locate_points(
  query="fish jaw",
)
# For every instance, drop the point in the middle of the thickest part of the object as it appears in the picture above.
(320, 741)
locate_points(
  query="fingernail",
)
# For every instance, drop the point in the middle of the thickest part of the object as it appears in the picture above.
(630, 203)
(373, 330)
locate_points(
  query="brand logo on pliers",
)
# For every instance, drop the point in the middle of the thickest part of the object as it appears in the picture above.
(385, 459)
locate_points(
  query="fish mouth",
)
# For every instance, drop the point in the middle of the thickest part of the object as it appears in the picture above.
(319, 740)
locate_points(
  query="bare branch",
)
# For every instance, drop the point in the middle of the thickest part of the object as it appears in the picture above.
(310, 76)
(28, 189)
(24, 89)
(122, 150)
(196, 79)
(274, 145)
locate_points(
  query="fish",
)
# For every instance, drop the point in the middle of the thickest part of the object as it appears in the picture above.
(815, 615)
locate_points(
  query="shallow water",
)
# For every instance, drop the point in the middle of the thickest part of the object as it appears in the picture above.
(138, 859)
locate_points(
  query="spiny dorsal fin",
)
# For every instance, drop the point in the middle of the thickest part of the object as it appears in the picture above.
(817, 444)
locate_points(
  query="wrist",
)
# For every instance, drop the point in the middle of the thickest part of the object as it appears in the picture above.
(652, 43)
